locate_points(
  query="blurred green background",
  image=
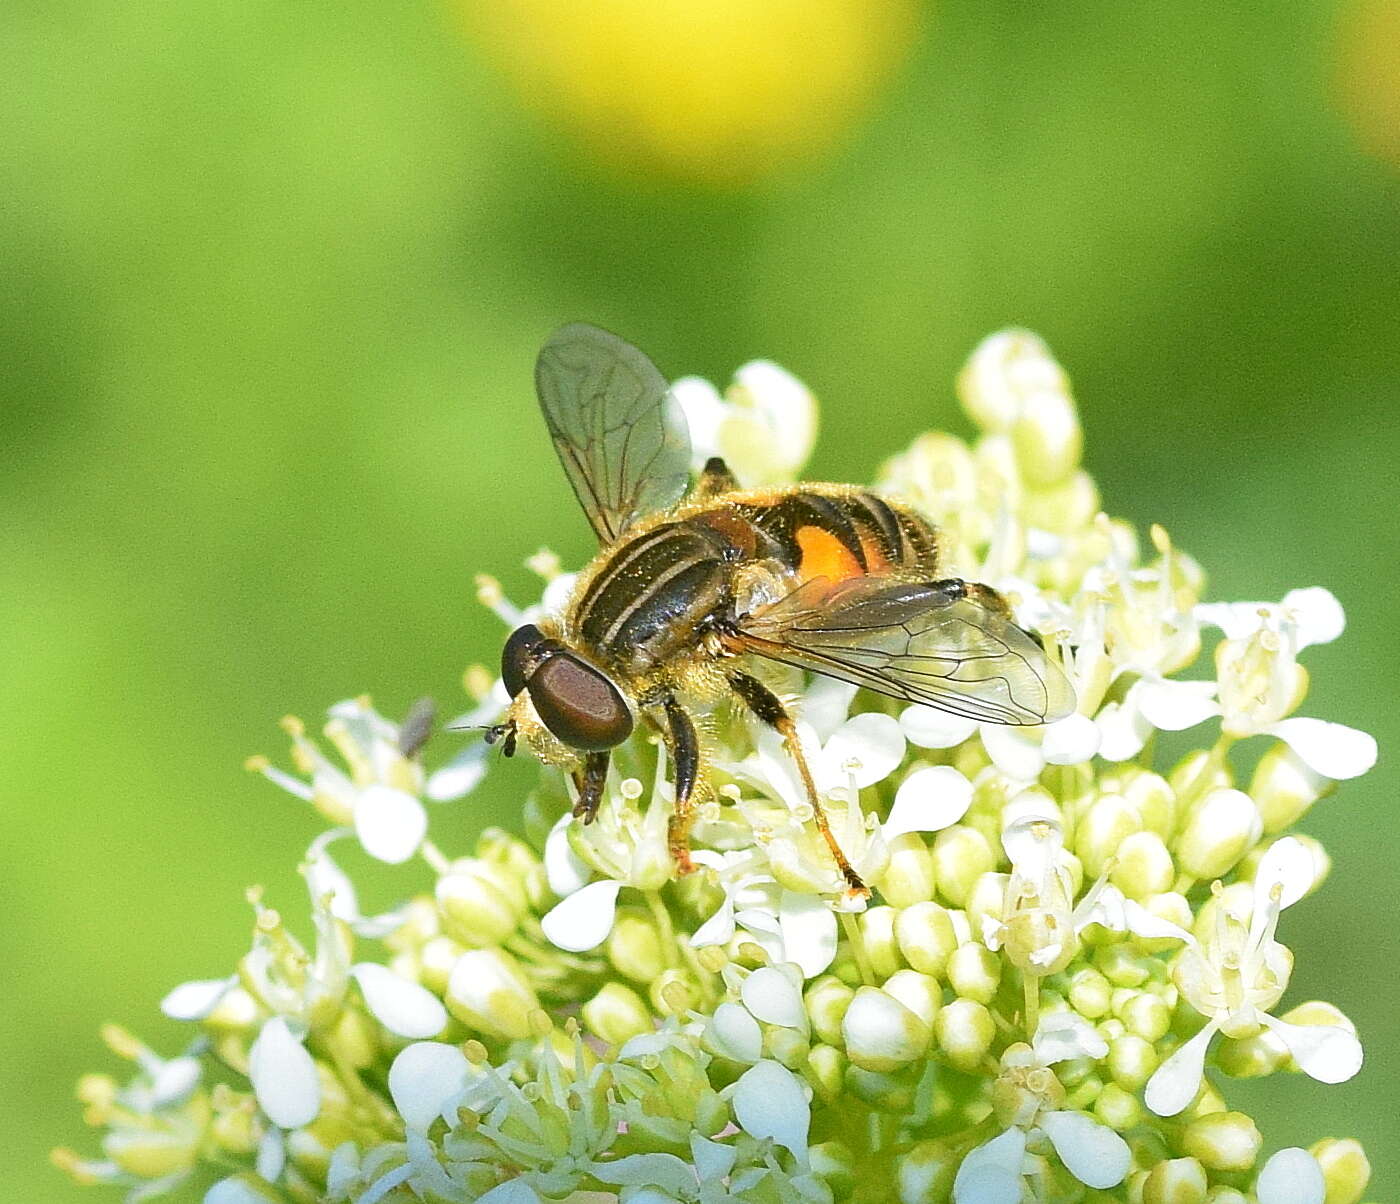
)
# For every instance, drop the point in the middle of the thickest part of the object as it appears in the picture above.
(274, 276)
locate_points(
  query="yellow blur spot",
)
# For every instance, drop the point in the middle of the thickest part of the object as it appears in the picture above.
(718, 91)
(1367, 78)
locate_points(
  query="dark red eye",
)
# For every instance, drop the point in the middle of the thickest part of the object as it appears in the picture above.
(579, 704)
(518, 657)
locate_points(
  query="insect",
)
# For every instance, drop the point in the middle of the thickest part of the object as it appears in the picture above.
(690, 582)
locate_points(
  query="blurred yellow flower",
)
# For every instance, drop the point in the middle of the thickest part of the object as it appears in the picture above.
(1367, 78)
(718, 91)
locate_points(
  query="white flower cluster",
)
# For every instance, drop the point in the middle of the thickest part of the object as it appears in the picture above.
(1069, 928)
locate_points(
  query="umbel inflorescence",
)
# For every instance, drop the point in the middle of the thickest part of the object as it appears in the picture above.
(1070, 926)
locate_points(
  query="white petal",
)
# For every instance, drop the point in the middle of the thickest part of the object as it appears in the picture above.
(1325, 1052)
(1318, 614)
(737, 1033)
(512, 1191)
(174, 1080)
(712, 1159)
(1286, 863)
(390, 823)
(324, 877)
(1033, 844)
(929, 727)
(1070, 741)
(1331, 749)
(771, 996)
(1291, 1176)
(272, 1155)
(195, 1000)
(826, 705)
(405, 1008)
(1093, 1153)
(1141, 922)
(991, 1174)
(1175, 1082)
(1173, 706)
(719, 928)
(1123, 730)
(557, 594)
(928, 800)
(284, 1076)
(459, 776)
(770, 1101)
(1014, 751)
(1238, 620)
(1061, 1036)
(424, 1079)
(763, 919)
(239, 1189)
(775, 769)
(564, 869)
(583, 920)
(868, 747)
(704, 411)
(808, 928)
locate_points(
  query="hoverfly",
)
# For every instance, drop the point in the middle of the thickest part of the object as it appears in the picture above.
(690, 582)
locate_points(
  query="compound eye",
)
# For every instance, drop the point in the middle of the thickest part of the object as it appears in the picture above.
(579, 704)
(518, 657)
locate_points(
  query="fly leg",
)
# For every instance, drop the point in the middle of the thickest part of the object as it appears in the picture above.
(715, 478)
(590, 781)
(768, 708)
(685, 752)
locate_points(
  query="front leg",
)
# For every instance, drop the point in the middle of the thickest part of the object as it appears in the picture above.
(768, 708)
(590, 781)
(685, 752)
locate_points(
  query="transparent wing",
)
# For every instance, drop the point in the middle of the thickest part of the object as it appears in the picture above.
(914, 641)
(620, 435)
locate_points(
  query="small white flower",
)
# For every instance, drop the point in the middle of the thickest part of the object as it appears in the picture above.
(1291, 1176)
(425, 1081)
(770, 1101)
(1236, 975)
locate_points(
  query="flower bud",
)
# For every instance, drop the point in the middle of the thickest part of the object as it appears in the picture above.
(1117, 1107)
(974, 972)
(1153, 799)
(1090, 993)
(920, 993)
(826, 1071)
(877, 934)
(1047, 439)
(672, 993)
(1145, 1015)
(488, 992)
(1143, 867)
(786, 1045)
(826, 1000)
(964, 1030)
(476, 912)
(987, 901)
(1219, 831)
(1224, 1141)
(836, 1165)
(435, 961)
(1251, 1057)
(1220, 1194)
(960, 855)
(1122, 966)
(880, 1033)
(1345, 1167)
(634, 947)
(926, 937)
(882, 1090)
(151, 1153)
(1131, 1061)
(908, 878)
(1284, 788)
(616, 1014)
(1002, 372)
(926, 1173)
(1186, 775)
(1109, 821)
(1178, 1181)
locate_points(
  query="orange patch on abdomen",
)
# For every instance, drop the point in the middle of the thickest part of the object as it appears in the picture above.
(824, 555)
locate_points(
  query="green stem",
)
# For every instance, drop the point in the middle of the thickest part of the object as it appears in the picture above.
(857, 942)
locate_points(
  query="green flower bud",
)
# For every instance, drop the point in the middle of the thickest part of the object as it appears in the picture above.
(974, 972)
(835, 1164)
(1251, 1057)
(152, 1153)
(1090, 993)
(908, 878)
(1218, 832)
(986, 901)
(435, 961)
(1179, 1181)
(1131, 1061)
(880, 1033)
(877, 934)
(1117, 1107)
(616, 1014)
(826, 1000)
(1110, 820)
(1144, 1014)
(1173, 907)
(1122, 966)
(1143, 866)
(964, 1030)
(826, 1071)
(488, 992)
(920, 993)
(1220, 1194)
(1047, 439)
(1284, 788)
(926, 937)
(882, 1090)
(1186, 774)
(634, 947)
(925, 1174)
(1345, 1167)
(1150, 795)
(476, 902)
(786, 1045)
(672, 993)
(960, 856)
(1224, 1141)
